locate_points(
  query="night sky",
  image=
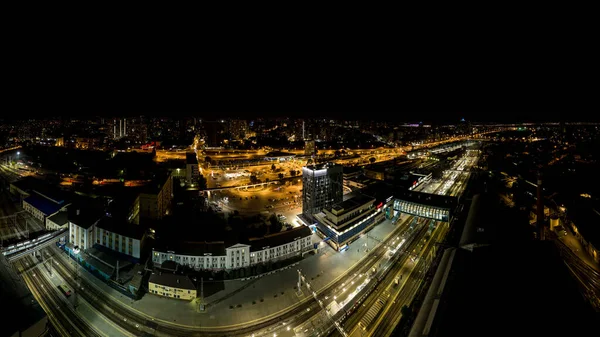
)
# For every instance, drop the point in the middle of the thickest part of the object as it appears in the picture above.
(489, 85)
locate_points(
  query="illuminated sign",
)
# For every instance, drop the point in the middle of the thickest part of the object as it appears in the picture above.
(207, 254)
(380, 205)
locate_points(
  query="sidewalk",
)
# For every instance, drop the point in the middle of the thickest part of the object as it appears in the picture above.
(264, 297)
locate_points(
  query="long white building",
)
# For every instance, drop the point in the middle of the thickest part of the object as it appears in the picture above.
(120, 236)
(220, 256)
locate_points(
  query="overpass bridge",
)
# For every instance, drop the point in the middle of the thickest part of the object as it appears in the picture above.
(241, 187)
(396, 200)
(26, 247)
(425, 205)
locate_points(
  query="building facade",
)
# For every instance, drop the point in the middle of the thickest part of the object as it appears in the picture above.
(219, 256)
(346, 221)
(172, 285)
(192, 169)
(120, 236)
(58, 220)
(81, 230)
(322, 187)
(153, 203)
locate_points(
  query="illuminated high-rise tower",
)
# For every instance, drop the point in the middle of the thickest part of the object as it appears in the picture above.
(322, 187)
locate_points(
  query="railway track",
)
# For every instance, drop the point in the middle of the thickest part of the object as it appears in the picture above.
(134, 323)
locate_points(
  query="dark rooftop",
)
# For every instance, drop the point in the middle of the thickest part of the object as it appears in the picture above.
(274, 154)
(172, 280)
(479, 227)
(44, 205)
(382, 190)
(157, 183)
(323, 166)
(587, 219)
(351, 203)
(352, 169)
(195, 248)
(190, 158)
(28, 183)
(278, 239)
(84, 216)
(60, 218)
(42, 188)
(436, 200)
(121, 226)
(511, 290)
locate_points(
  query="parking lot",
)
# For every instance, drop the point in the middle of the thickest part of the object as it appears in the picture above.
(285, 199)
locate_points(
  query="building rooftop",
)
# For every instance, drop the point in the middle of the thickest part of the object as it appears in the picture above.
(350, 204)
(60, 218)
(172, 280)
(479, 227)
(278, 239)
(435, 200)
(190, 158)
(120, 226)
(28, 183)
(157, 183)
(84, 216)
(527, 281)
(323, 166)
(276, 154)
(195, 248)
(42, 188)
(352, 169)
(587, 219)
(44, 205)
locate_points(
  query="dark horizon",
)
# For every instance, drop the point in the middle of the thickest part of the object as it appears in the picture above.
(426, 117)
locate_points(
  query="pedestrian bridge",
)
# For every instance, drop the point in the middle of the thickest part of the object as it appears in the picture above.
(425, 205)
(241, 187)
(30, 245)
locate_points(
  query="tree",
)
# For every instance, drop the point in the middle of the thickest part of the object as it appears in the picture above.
(337, 153)
(280, 175)
(201, 182)
(310, 161)
(275, 224)
(372, 160)
(273, 167)
(293, 173)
